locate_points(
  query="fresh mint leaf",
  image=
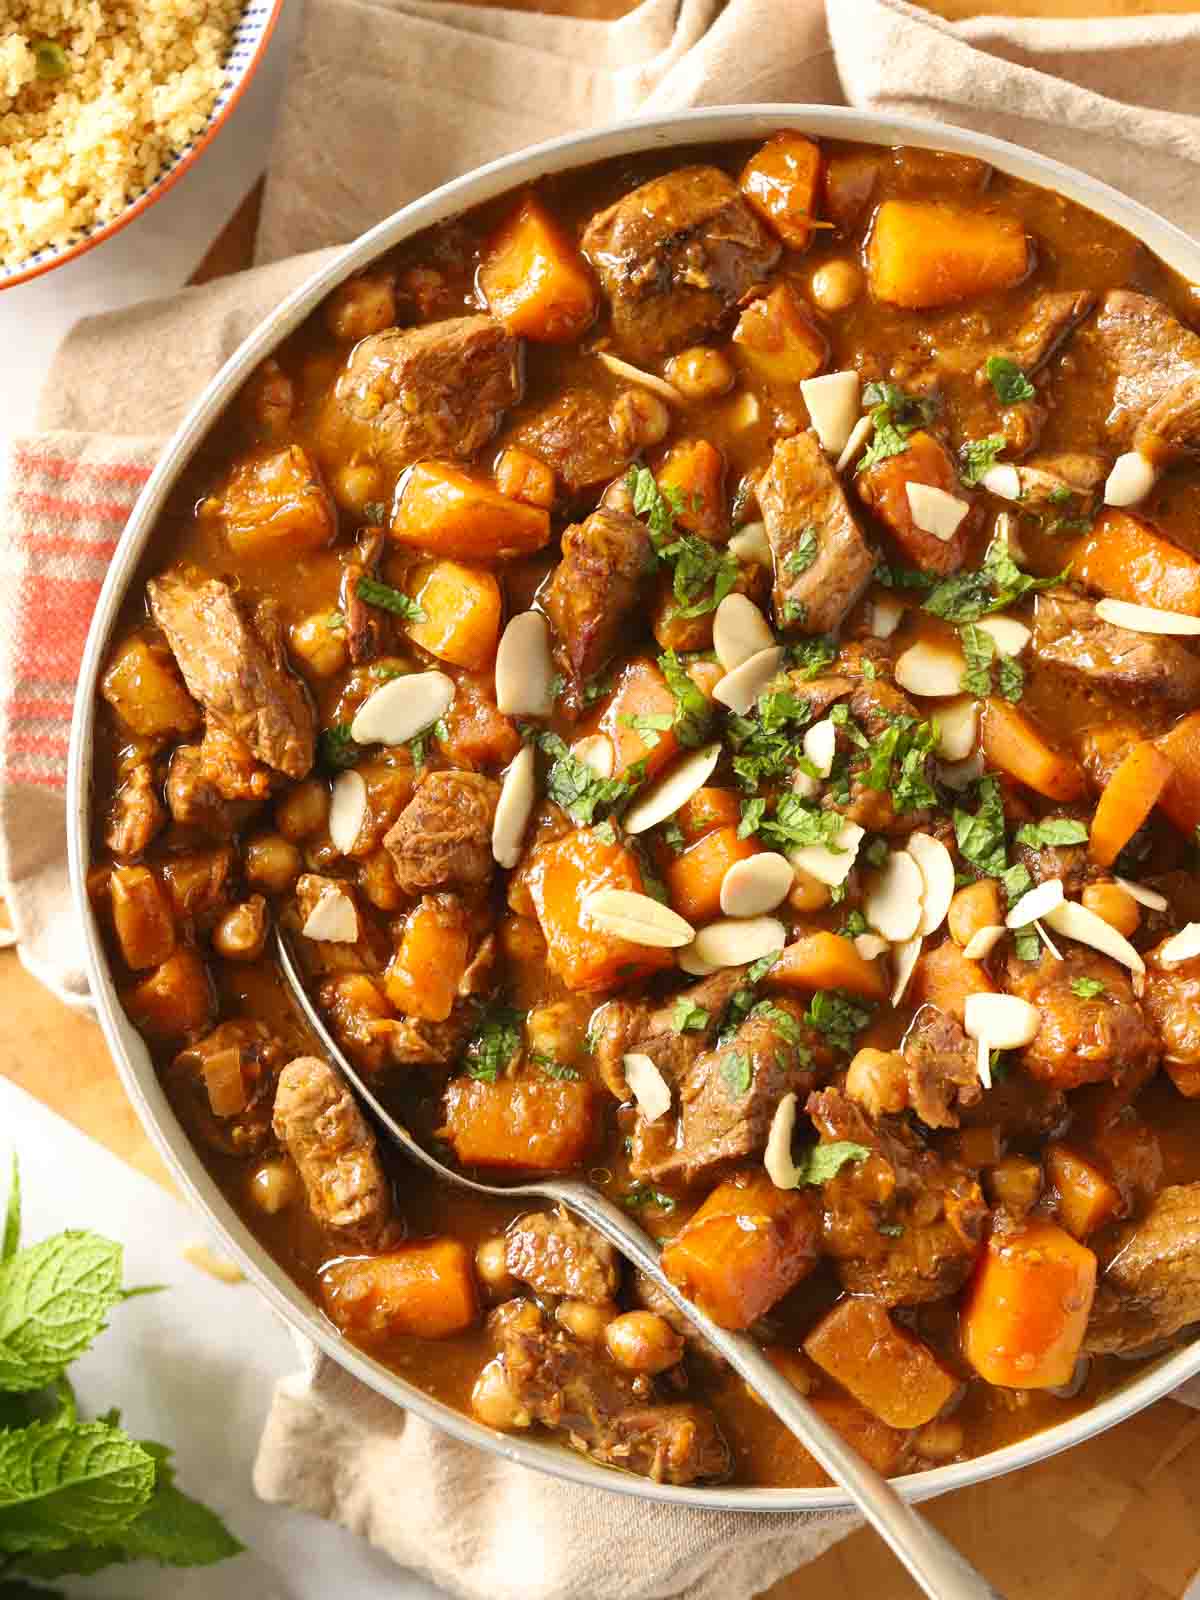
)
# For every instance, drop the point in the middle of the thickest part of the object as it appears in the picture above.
(1026, 944)
(1088, 988)
(1009, 382)
(980, 837)
(672, 837)
(1010, 678)
(337, 748)
(820, 1162)
(810, 657)
(693, 714)
(895, 414)
(576, 787)
(649, 725)
(12, 1217)
(894, 577)
(61, 1486)
(796, 823)
(1018, 880)
(659, 507)
(54, 1300)
(840, 1017)
(375, 512)
(687, 1017)
(385, 598)
(967, 596)
(978, 456)
(803, 553)
(1052, 831)
(643, 1198)
(494, 1043)
(979, 650)
(737, 1073)
(552, 1068)
(753, 812)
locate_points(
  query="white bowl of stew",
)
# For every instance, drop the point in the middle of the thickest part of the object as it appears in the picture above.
(638, 151)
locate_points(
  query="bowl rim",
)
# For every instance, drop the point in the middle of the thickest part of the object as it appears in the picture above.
(171, 177)
(672, 130)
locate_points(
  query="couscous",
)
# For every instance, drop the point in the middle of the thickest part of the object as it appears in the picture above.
(95, 98)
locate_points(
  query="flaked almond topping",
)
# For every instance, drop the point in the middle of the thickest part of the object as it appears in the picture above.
(672, 788)
(347, 808)
(936, 866)
(829, 866)
(334, 918)
(751, 544)
(983, 941)
(733, 940)
(1150, 898)
(740, 688)
(1039, 929)
(1010, 636)
(514, 807)
(1181, 946)
(999, 1022)
(1146, 619)
(870, 946)
(904, 961)
(402, 708)
(1074, 921)
(647, 380)
(1003, 480)
(757, 884)
(525, 667)
(739, 631)
(958, 727)
(892, 904)
(886, 615)
(930, 669)
(820, 745)
(1131, 479)
(935, 511)
(689, 962)
(777, 1158)
(1036, 903)
(859, 435)
(833, 404)
(637, 917)
(596, 751)
(647, 1086)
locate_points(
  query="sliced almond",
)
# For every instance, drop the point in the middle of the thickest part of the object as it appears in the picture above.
(820, 745)
(1040, 930)
(1181, 946)
(637, 917)
(958, 727)
(514, 807)
(983, 941)
(1004, 1020)
(647, 380)
(904, 961)
(399, 709)
(931, 670)
(333, 920)
(1150, 898)
(1010, 636)
(691, 963)
(830, 866)
(347, 808)
(833, 403)
(870, 946)
(936, 511)
(739, 631)
(1146, 619)
(757, 884)
(740, 688)
(672, 788)
(1003, 480)
(892, 903)
(859, 435)
(751, 544)
(886, 614)
(731, 941)
(777, 1158)
(1131, 479)
(936, 866)
(1036, 903)
(647, 1086)
(596, 751)
(525, 667)
(1074, 921)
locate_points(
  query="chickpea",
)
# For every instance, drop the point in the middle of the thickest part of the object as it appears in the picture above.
(640, 418)
(700, 373)
(878, 1080)
(242, 932)
(275, 1186)
(1114, 905)
(272, 863)
(320, 644)
(493, 1401)
(356, 485)
(491, 1264)
(939, 1441)
(836, 284)
(974, 907)
(303, 810)
(555, 1030)
(807, 893)
(320, 852)
(642, 1341)
(583, 1321)
(362, 306)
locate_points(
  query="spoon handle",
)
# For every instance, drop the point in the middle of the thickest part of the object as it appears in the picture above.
(934, 1563)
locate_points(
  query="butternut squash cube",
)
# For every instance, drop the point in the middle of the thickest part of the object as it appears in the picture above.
(781, 182)
(425, 1290)
(926, 253)
(778, 339)
(449, 513)
(423, 977)
(535, 279)
(274, 505)
(524, 1123)
(143, 686)
(463, 610)
(886, 1368)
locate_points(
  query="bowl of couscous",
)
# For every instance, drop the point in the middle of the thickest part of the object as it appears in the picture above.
(104, 104)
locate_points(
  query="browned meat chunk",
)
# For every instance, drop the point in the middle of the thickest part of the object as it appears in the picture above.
(1020, 1108)
(1066, 861)
(1151, 1287)
(318, 1122)
(876, 706)
(443, 837)
(1068, 634)
(222, 1087)
(610, 1415)
(236, 669)
(1052, 318)
(802, 500)
(1082, 1040)
(437, 390)
(577, 434)
(943, 1072)
(1171, 1000)
(596, 586)
(674, 256)
(365, 625)
(1151, 354)
(556, 1255)
(623, 1027)
(730, 1094)
(137, 813)
(1172, 424)
(647, 1293)
(1067, 482)
(932, 1209)
(215, 785)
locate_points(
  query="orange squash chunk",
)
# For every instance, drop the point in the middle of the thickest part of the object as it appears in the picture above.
(1086, 1198)
(925, 253)
(423, 978)
(1015, 744)
(886, 1368)
(1125, 559)
(447, 512)
(463, 609)
(530, 1123)
(1027, 1307)
(1127, 799)
(708, 809)
(778, 338)
(534, 278)
(824, 960)
(641, 692)
(697, 470)
(694, 878)
(274, 505)
(1181, 797)
(781, 182)
(425, 1290)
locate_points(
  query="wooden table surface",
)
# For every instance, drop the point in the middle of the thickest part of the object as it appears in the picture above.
(1115, 1519)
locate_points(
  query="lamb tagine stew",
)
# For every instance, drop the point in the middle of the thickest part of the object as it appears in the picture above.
(699, 659)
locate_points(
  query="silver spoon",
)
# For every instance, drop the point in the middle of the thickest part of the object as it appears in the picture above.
(935, 1564)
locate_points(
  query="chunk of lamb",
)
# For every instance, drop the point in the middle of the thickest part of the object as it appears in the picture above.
(1051, 320)
(629, 1027)
(1066, 861)
(137, 813)
(215, 785)
(932, 1208)
(875, 706)
(1067, 482)
(730, 1094)
(438, 390)
(443, 837)
(1155, 363)
(222, 1087)
(318, 1122)
(1102, 1038)
(555, 1255)
(1068, 635)
(366, 626)
(578, 434)
(596, 587)
(1171, 1000)
(942, 1068)
(800, 496)
(610, 1415)
(236, 668)
(675, 256)
(1151, 1286)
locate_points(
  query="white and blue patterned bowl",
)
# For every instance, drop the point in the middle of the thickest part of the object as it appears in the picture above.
(250, 40)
